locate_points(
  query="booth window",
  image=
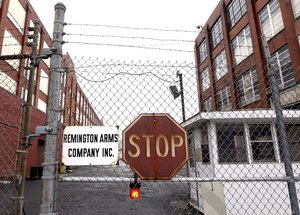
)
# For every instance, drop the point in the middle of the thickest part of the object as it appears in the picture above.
(204, 146)
(261, 142)
(231, 143)
(293, 136)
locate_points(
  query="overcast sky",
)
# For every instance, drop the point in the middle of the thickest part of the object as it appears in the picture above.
(120, 17)
(158, 14)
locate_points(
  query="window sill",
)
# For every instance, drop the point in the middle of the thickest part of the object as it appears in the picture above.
(243, 104)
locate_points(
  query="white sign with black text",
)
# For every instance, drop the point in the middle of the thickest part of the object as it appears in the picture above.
(90, 145)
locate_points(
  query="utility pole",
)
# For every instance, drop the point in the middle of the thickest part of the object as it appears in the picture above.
(179, 75)
(281, 132)
(24, 152)
(48, 193)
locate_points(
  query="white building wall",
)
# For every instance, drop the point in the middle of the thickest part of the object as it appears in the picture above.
(244, 188)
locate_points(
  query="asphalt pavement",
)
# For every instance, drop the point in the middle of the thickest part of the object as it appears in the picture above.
(111, 197)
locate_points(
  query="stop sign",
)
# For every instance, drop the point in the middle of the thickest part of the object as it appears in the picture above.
(155, 146)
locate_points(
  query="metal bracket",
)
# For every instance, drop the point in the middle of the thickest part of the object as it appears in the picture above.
(17, 197)
(48, 177)
(21, 151)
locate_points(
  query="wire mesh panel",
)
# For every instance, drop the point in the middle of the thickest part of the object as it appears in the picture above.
(114, 93)
(10, 131)
(235, 165)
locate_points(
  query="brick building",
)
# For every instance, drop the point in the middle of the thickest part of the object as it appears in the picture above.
(15, 18)
(230, 59)
(234, 135)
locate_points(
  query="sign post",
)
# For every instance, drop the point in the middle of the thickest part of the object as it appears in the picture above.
(85, 145)
(155, 146)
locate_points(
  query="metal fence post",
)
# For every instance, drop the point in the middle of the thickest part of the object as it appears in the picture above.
(24, 153)
(281, 131)
(47, 199)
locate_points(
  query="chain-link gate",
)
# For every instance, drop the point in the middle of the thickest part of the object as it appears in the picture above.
(118, 92)
(235, 161)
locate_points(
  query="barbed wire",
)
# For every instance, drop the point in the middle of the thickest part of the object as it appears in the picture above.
(129, 37)
(154, 64)
(126, 46)
(148, 74)
(132, 28)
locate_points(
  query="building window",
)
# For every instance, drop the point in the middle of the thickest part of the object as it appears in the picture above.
(236, 10)
(271, 19)
(8, 83)
(216, 33)
(231, 143)
(78, 98)
(44, 82)
(282, 64)
(24, 95)
(192, 160)
(262, 145)
(11, 46)
(207, 105)
(17, 14)
(242, 45)
(200, 143)
(46, 61)
(42, 105)
(202, 51)
(205, 156)
(296, 7)
(77, 115)
(247, 87)
(224, 99)
(205, 80)
(220, 65)
(293, 134)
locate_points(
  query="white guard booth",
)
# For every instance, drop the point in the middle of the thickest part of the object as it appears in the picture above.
(236, 160)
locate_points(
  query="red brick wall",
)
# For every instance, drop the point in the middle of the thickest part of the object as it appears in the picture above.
(10, 114)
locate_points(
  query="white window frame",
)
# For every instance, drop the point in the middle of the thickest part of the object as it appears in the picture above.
(220, 65)
(269, 18)
(296, 7)
(243, 93)
(280, 64)
(207, 107)
(242, 45)
(272, 140)
(205, 79)
(236, 9)
(224, 99)
(202, 51)
(216, 33)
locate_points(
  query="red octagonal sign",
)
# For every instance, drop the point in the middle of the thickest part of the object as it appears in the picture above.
(155, 146)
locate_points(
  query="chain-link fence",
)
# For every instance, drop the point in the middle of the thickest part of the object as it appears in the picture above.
(236, 161)
(11, 123)
(118, 92)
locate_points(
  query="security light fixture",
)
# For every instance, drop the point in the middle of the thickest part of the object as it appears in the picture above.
(174, 91)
